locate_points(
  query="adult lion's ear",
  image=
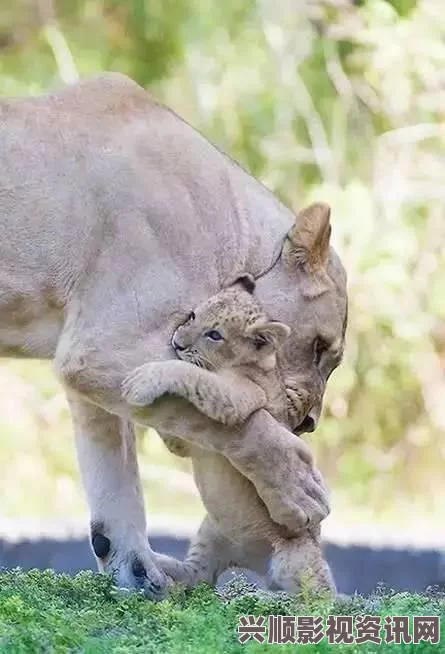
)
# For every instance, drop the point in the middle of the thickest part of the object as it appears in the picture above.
(307, 242)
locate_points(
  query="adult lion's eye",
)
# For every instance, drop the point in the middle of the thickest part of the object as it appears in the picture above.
(214, 335)
(320, 347)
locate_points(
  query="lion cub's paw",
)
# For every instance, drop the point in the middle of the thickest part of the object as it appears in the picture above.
(143, 386)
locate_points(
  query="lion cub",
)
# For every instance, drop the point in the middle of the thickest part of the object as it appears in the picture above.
(232, 345)
(228, 370)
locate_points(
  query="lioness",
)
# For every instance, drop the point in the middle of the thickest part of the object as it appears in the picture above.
(117, 216)
(228, 347)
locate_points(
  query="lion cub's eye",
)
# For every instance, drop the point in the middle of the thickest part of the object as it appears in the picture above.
(191, 317)
(213, 335)
(260, 342)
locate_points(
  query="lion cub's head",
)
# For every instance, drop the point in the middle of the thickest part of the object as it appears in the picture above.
(230, 329)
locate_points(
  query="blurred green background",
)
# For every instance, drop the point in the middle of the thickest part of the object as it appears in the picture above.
(321, 99)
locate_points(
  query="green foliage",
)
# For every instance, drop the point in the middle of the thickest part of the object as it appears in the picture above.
(45, 612)
(341, 101)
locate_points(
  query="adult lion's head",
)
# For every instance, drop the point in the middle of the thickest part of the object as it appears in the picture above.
(306, 289)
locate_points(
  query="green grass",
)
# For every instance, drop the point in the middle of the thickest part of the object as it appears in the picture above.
(44, 612)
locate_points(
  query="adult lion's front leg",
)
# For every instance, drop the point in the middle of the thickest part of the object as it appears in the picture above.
(281, 467)
(278, 463)
(107, 459)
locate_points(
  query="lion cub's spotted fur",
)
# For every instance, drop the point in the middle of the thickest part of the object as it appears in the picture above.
(231, 377)
(228, 370)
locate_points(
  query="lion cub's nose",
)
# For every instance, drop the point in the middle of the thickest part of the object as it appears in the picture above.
(178, 347)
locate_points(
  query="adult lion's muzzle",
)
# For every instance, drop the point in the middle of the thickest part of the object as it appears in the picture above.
(307, 425)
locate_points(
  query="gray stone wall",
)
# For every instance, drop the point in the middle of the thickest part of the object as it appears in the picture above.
(356, 569)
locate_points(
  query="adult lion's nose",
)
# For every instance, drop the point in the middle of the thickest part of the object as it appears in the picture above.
(307, 425)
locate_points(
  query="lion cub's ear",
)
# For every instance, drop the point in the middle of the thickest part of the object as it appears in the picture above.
(247, 281)
(268, 335)
(309, 237)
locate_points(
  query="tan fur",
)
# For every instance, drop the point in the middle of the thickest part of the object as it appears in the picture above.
(116, 217)
(230, 379)
(243, 377)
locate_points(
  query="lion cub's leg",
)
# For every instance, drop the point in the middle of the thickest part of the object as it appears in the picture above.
(208, 555)
(237, 513)
(299, 562)
(211, 553)
(234, 532)
(176, 446)
(225, 397)
(289, 564)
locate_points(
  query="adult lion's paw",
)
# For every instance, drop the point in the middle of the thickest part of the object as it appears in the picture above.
(131, 564)
(281, 467)
(297, 505)
(299, 497)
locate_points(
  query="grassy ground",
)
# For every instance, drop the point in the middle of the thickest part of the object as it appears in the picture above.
(44, 612)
